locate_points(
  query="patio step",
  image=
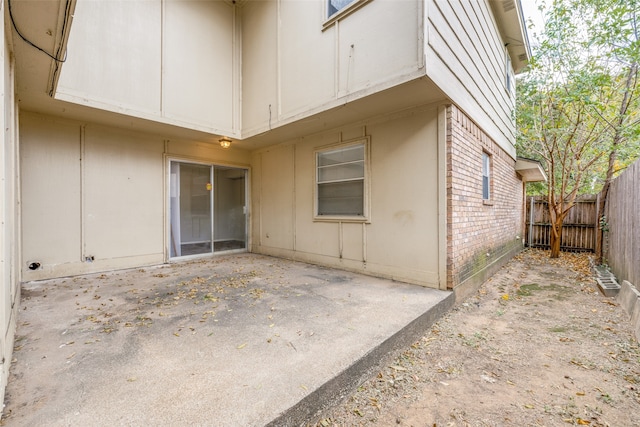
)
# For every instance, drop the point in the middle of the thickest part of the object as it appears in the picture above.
(333, 391)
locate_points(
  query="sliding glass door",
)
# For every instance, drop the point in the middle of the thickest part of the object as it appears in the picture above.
(207, 207)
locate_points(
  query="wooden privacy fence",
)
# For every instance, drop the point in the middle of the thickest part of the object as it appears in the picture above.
(623, 217)
(578, 231)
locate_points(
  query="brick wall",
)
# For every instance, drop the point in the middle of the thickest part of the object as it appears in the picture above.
(482, 235)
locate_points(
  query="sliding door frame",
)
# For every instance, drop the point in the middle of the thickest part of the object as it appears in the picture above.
(169, 159)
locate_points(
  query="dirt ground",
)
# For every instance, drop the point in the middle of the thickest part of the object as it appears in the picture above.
(538, 345)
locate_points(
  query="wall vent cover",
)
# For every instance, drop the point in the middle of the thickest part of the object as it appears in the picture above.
(508, 5)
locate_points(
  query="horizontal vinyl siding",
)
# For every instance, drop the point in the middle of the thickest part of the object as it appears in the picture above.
(465, 57)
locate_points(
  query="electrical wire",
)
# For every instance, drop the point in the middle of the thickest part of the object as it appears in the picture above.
(29, 42)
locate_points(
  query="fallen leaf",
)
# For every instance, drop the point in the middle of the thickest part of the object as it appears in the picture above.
(397, 368)
(241, 346)
(582, 422)
(528, 406)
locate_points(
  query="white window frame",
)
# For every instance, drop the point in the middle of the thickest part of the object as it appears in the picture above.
(486, 176)
(509, 83)
(347, 10)
(366, 180)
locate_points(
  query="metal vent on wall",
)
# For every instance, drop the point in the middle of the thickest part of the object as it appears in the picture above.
(508, 5)
(522, 57)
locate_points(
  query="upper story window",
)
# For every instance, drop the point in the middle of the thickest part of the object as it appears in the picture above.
(335, 6)
(509, 81)
(337, 9)
(341, 174)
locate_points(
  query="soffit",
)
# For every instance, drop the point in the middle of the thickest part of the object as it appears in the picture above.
(530, 170)
(510, 20)
(379, 106)
(45, 24)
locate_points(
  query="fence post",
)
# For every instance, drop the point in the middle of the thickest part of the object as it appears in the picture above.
(597, 229)
(531, 222)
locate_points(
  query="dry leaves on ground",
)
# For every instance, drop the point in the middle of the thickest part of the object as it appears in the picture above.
(536, 345)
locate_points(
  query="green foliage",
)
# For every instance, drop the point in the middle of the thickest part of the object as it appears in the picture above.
(579, 100)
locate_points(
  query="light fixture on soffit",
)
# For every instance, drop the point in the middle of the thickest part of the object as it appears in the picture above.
(225, 142)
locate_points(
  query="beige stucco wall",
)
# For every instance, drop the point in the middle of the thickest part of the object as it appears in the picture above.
(293, 67)
(95, 191)
(171, 61)
(400, 240)
(244, 69)
(9, 220)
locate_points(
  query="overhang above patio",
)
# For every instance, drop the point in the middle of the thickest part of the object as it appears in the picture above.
(530, 170)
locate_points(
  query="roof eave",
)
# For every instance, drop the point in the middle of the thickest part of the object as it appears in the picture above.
(530, 170)
(511, 23)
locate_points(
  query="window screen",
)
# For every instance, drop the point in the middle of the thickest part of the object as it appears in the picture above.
(486, 176)
(340, 180)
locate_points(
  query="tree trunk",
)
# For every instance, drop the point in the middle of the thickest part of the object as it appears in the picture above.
(556, 238)
(601, 206)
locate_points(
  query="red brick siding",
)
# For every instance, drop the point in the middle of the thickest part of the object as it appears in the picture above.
(479, 233)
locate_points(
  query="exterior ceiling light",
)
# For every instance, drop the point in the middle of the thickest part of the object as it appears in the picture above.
(225, 142)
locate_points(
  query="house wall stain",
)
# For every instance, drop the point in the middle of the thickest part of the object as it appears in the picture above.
(404, 218)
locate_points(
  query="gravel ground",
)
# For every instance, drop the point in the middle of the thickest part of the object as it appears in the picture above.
(537, 345)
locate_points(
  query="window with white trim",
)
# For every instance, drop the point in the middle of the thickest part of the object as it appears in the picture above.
(335, 6)
(340, 181)
(486, 176)
(509, 78)
(337, 9)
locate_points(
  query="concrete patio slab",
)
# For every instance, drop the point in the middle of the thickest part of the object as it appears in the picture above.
(234, 340)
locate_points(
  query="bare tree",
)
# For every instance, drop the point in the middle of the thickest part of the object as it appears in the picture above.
(576, 105)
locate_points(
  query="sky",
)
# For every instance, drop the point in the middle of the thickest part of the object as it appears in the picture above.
(531, 12)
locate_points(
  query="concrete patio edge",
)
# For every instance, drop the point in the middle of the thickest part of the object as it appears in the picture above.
(334, 391)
